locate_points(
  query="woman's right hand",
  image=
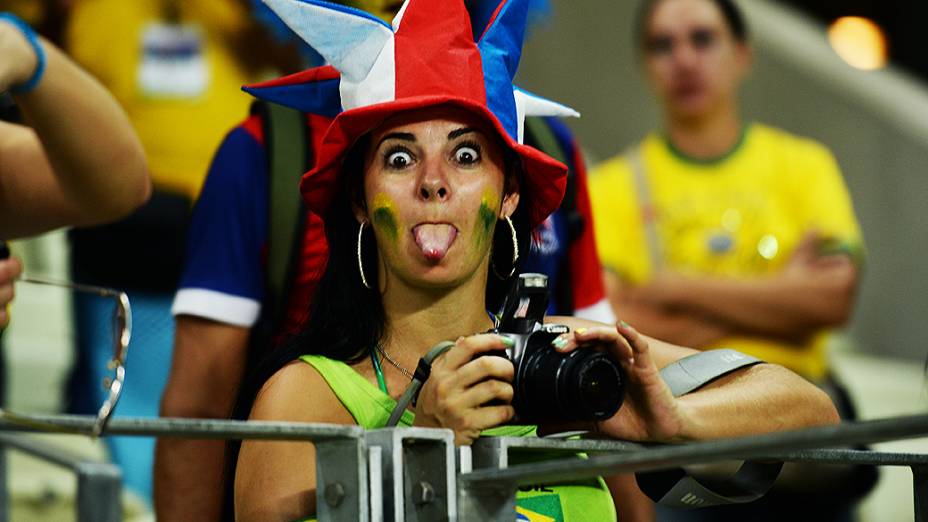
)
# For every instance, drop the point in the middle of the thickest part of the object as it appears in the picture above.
(467, 393)
(9, 271)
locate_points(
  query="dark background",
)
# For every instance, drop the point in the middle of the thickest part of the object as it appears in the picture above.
(904, 21)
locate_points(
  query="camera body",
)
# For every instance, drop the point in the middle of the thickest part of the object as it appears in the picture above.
(583, 385)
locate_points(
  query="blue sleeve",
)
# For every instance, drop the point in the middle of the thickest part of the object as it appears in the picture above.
(228, 229)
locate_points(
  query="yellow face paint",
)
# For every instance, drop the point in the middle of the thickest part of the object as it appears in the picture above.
(383, 216)
(487, 215)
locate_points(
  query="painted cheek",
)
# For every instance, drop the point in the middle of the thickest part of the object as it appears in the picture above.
(486, 218)
(384, 217)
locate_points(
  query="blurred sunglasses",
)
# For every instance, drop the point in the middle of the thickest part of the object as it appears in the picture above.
(122, 333)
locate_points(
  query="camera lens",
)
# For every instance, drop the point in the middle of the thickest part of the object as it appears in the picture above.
(600, 387)
(583, 385)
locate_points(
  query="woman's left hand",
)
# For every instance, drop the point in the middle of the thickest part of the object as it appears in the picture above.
(650, 412)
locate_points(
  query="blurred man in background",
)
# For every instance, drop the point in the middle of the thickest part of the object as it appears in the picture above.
(716, 232)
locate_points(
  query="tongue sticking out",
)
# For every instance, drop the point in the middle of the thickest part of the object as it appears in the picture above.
(434, 240)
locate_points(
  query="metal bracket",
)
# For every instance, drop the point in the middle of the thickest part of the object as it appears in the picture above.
(418, 473)
(920, 489)
(341, 480)
(482, 503)
(99, 492)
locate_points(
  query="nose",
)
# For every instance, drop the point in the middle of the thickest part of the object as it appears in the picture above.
(685, 55)
(433, 184)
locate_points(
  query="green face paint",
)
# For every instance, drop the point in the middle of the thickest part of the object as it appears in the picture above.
(487, 216)
(384, 216)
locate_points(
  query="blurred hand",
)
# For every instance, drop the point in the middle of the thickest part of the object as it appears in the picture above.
(9, 271)
(19, 59)
(650, 412)
(466, 393)
(808, 259)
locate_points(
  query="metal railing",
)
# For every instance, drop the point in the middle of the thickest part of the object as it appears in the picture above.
(99, 484)
(417, 474)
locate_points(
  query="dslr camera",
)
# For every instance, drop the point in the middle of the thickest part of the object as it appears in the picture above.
(583, 385)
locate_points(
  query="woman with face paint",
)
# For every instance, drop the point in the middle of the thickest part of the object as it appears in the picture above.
(428, 195)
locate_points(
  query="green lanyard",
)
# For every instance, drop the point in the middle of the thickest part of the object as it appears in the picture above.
(379, 371)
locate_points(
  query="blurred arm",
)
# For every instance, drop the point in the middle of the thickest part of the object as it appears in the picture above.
(209, 361)
(689, 328)
(80, 163)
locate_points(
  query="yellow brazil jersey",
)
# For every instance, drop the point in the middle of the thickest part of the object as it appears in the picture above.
(739, 216)
(178, 82)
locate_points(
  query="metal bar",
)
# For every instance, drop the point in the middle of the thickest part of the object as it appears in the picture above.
(99, 492)
(4, 484)
(493, 452)
(920, 487)
(489, 452)
(185, 428)
(99, 484)
(702, 452)
(40, 450)
(851, 457)
(375, 482)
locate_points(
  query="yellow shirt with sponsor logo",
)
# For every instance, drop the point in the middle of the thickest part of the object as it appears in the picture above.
(180, 83)
(738, 216)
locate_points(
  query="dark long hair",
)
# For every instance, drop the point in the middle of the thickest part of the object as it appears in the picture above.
(730, 12)
(347, 320)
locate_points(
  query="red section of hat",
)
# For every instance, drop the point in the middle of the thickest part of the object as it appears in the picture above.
(435, 52)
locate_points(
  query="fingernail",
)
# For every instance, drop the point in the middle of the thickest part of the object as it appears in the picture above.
(581, 331)
(625, 325)
(508, 342)
(559, 343)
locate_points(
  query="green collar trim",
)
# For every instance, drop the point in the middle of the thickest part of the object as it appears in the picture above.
(682, 156)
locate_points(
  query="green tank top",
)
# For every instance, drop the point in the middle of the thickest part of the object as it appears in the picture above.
(568, 502)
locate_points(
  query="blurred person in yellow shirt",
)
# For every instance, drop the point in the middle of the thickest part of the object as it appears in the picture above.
(171, 65)
(716, 232)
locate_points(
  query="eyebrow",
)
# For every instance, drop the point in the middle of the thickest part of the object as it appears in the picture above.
(460, 132)
(404, 136)
(408, 136)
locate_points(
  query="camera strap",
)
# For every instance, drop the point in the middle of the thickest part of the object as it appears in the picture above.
(423, 369)
(678, 489)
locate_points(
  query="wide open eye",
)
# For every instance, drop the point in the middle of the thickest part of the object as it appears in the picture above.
(467, 154)
(398, 158)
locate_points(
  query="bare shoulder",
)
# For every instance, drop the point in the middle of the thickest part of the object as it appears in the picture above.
(299, 393)
(662, 352)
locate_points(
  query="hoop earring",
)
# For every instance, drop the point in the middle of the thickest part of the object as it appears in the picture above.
(515, 252)
(360, 262)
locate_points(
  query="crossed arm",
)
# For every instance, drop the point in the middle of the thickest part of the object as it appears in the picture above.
(812, 292)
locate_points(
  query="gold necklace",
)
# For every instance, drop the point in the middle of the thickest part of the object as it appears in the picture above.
(395, 364)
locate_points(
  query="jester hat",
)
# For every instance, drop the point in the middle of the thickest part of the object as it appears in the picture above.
(427, 57)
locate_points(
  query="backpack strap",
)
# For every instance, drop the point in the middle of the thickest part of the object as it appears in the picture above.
(286, 143)
(539, 134)
(646, 205)
(677, 489)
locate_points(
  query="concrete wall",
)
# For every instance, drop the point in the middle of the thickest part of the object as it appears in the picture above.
(876, 123)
